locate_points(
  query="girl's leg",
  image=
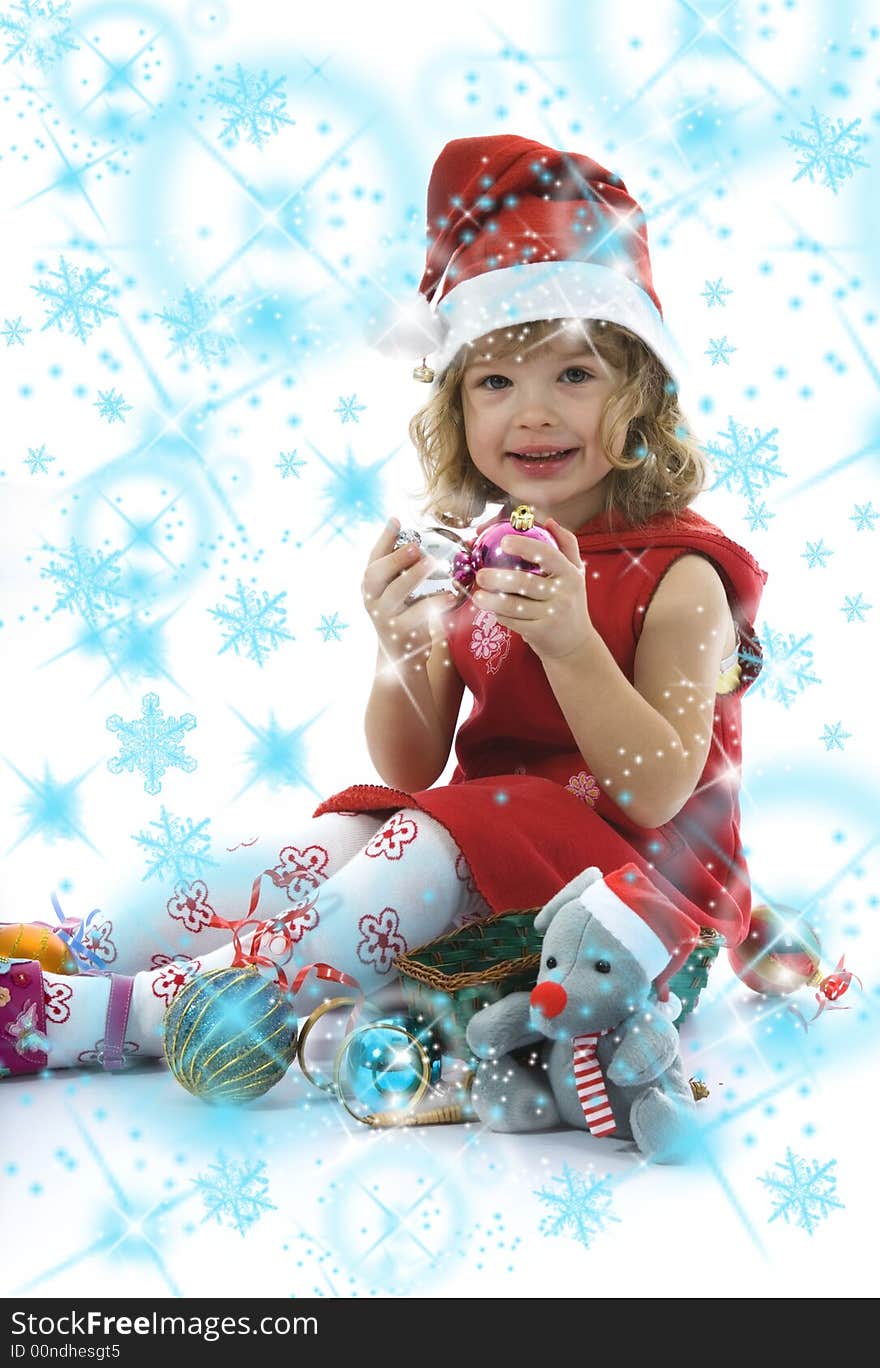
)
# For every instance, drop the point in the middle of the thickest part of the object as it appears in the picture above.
(149, 924)
(408, 884)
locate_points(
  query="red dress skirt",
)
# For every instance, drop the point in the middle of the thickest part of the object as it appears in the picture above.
(523, 804)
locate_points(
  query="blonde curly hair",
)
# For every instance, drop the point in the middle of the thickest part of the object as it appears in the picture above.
(657, 465)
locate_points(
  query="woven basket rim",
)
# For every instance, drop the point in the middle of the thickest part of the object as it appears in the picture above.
(473, 978)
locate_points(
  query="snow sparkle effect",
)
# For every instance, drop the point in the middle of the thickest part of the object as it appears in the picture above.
(151, 743)
(197, 209)
(580, 1206)
(803, 1191)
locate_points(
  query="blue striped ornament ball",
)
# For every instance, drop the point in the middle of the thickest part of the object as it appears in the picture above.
(230, 1035)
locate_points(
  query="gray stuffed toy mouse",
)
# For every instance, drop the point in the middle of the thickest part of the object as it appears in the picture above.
(600, 1016)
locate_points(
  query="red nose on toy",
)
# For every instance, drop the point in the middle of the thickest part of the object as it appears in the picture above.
(549, 998)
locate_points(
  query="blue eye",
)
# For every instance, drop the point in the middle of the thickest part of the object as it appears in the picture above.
(581, 376)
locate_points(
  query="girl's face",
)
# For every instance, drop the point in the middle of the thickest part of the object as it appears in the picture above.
(549, 400)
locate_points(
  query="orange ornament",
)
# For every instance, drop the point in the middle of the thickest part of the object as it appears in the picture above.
(30, 940)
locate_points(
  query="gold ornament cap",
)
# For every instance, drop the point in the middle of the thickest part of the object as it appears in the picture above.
(523, 518)
(423, 372)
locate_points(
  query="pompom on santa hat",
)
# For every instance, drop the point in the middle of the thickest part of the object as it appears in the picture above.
(645, 922)
(519, 232)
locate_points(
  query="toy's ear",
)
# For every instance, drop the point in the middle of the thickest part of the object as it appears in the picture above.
(572, 890)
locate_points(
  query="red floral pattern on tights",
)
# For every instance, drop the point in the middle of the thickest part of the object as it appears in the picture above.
(392, 839)
(300, 872)
(177, 972)
(381, 940)
(56, 996)
(189, 904)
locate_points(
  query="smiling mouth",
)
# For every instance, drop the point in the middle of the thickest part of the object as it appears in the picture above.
(541, 458)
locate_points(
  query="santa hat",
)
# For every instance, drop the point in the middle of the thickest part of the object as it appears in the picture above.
(518, 232)
(646, 923)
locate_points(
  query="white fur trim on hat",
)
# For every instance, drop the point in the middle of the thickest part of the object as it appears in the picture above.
(530, 291)
(626, 926)
(406, 331)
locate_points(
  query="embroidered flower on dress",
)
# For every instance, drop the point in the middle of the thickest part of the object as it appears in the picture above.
(381, 940)
(190, 905)
(5, 996)
(584, 786)
(490, 642)
(399, 831)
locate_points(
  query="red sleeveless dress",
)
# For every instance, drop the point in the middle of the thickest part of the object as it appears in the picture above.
(524, 806)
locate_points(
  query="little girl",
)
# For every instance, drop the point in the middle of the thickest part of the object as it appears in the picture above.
(605, 724)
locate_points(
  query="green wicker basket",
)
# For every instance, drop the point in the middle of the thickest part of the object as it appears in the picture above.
(444, 989)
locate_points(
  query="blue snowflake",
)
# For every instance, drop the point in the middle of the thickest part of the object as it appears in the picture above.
(179, 849)
(14, 331)
(758, 517)
(254, 624)
(855, 607)
(787, 665)
(288, 464)
(348, 409)
(746, 464)
(720, 350)
(864, 517)
(581, 1207)
(40, 31)
(192, 324)
(252, 104)
(151, 743)
(85, 582)
(78, 298)
(330, 628)
(38, 460)
(112, 406)
(805, 1191)
(235, 1194)
(827, 151)
(834, 736)
(816, 553)
(715, 292)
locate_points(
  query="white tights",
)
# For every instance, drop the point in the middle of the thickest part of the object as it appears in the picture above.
(368, 889)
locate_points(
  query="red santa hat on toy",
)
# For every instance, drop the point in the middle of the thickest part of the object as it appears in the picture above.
(647, 924)
(518, 232)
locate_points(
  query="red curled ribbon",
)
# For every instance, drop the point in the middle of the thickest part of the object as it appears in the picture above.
(275, 928)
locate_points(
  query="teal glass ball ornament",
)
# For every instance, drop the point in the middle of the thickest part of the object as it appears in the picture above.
(380, 1068)
(230, 1035)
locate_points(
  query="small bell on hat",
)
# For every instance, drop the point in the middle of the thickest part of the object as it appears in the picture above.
(654, 931)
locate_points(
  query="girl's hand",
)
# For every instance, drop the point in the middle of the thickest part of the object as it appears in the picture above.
(548, 611)
(404, 629)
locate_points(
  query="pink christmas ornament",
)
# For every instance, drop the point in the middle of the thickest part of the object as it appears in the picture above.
(486, 552)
